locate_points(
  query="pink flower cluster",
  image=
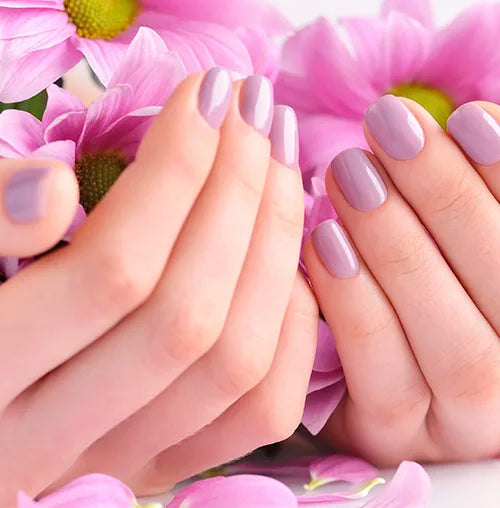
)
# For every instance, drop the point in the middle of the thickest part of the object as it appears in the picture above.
(410, 486)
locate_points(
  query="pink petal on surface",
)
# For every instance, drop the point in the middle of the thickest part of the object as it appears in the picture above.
(231, 13)
(463, 51)
(421, 10)
(404, 50)
(102, 56)
(20, 134)
(320, 406)
(89, 491)
(334, 468)
(63, 151)
(242, 491)
(60, 102)
(24, 4)
(410, 488)
(341, 495)
(29, 75)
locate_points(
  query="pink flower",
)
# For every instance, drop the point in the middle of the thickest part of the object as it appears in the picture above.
(42, 39)
(86, 492)
(101, 140)
(331, 83)
(241, 491)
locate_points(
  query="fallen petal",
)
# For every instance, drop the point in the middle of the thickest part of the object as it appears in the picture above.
(242, 491)
(343, 495)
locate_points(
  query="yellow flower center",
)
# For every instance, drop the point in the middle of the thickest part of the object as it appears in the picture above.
(101, 19)
(96, 173)
(437, 103)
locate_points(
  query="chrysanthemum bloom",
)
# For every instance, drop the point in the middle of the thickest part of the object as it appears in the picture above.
(42, 39)
(99, 142)
(331, 74)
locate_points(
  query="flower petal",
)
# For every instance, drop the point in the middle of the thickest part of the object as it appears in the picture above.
(146, 64)
(88, 492)
(102, 56)
(463, 51)
(410, 488)
(27, 4)
(327, 358)
(29, 75)
(320, 405)
(321, 380)
(63, 151)
(59, 103)
(334, 468)
(231, 13)
(242, 491)
(421, 10)
(20, 134)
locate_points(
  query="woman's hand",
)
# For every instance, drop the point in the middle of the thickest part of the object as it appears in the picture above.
(176, 308)
(416, 318)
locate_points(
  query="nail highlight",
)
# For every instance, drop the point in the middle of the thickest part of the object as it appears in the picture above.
(335, 250)
(477, 132)
(358, 180)
(284, 137)
(215, 96)
(395, 128)
(24, 195)
(257, 103)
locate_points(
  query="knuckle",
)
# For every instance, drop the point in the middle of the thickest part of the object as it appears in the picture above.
(250, 184)
(183, 333)
(289, 216)
(372, 321)
(239, 369)
(405, 255)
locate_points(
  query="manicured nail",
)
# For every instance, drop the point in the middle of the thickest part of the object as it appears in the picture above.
(284, 137)
(477, 132)
(335, 250)
(215, 96)
(358, 180)
(257, 103)
(24, 195)
(395, 128)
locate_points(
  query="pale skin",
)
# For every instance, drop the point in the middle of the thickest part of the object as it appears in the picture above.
(186, 337)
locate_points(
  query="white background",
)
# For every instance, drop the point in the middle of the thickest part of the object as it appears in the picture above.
(301, 11)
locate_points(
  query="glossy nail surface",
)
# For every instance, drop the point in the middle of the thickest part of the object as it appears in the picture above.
(284, 137)
(477, 132)
(24, 195)
(215, 96)
(257, 103)
(358, 180)
(335, 250)
(395, 128)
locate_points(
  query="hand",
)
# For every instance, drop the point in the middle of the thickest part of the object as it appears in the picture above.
(416, 318)
(177, 307)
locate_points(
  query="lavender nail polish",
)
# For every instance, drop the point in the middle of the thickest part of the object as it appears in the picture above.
(395, 128)
(257, 103)
(477, 132)
(335, 250)
(215, 96)
(284, 137)
(24, 195)
(358, 180)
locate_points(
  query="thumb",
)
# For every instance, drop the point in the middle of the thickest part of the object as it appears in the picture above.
(38, 200)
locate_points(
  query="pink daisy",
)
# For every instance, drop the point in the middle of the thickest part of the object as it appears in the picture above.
(100, 141)
(42, 39)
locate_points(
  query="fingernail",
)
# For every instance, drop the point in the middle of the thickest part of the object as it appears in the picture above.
(257, 103)
(477, 132)
(358, 180)
(335, 250)
(24, 195)
(215, 96)
(395, 128)
(284, 137)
